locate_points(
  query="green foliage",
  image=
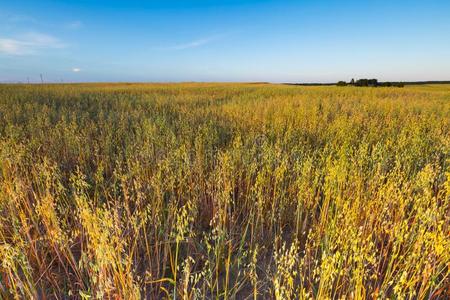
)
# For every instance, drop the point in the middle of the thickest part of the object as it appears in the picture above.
(366, 82)
(371, 83)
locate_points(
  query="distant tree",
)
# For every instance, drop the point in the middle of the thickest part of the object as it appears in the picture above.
(362, 82)
(342, 83)
(372, 82)
(366, 82)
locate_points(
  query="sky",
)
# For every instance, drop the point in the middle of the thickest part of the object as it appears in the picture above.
(228, 40)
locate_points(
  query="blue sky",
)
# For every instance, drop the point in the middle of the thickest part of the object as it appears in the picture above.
(278, 41)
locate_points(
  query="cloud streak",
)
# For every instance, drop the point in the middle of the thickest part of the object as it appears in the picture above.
(74, 25)
(16, 18)
(28, 44)
(193, 44)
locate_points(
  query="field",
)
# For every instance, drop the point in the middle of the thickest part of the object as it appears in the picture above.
(224, 191)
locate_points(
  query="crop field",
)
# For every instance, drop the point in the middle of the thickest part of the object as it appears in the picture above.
(224, 191)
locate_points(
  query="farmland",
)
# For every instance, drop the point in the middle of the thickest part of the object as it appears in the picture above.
(224, 191)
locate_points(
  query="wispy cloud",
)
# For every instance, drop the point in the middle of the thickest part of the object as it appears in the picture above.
(17, 18)
(76, 70)
(192, 44)
(29, 43)
(74, 25)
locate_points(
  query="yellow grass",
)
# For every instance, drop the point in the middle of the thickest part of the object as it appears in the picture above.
(224, 191)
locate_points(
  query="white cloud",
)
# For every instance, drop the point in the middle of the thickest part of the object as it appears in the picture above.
(10, 46)
(17, 18)
(75, 25)
(76, 70)
(193, 44)
(29, 43)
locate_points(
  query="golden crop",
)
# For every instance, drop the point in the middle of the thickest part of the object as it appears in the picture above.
(224, 191)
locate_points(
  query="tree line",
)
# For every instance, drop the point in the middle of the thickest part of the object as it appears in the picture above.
(370, 83)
